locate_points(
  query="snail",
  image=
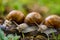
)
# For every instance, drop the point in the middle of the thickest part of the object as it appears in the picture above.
(52, 21)
(16, 16)
(33, 18)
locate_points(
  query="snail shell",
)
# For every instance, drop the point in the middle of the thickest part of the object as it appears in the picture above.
(53, 20)
(33, 18)
(16, 16)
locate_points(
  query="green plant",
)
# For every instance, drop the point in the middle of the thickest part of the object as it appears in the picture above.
(55, 37)
(53, 5)
(59, 37)
(8, 37)
(1, 35)
(11, 37)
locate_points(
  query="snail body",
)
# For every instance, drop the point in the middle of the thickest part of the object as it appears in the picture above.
(42, 28)
(25, 28)
(16, 16)
(53, 20)
(22, 27)
(33, 18)
(7, 23)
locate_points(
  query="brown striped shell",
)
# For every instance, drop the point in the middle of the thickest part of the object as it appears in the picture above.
(33, 18)
(16, 16)
(53, 20)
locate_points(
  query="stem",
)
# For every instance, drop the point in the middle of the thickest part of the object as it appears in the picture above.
(48, 37)
(23, 35)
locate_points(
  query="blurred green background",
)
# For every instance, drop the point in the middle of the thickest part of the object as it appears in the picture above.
(28, 5)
